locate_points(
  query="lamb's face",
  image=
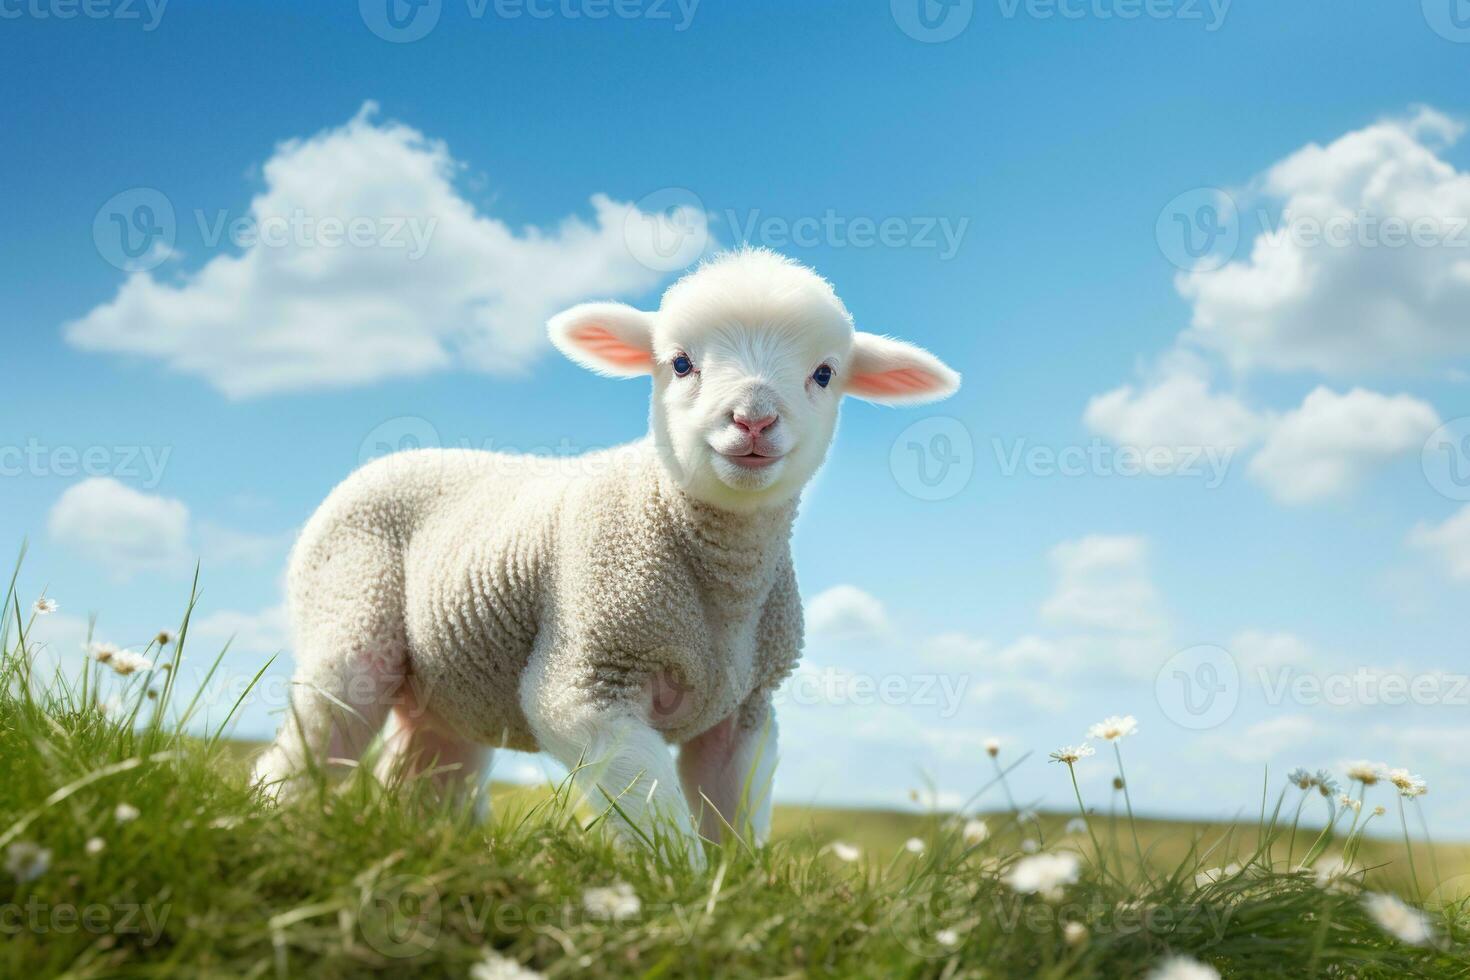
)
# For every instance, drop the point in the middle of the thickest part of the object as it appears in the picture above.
(750, 355)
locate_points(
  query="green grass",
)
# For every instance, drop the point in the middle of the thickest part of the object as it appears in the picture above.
(210, 881)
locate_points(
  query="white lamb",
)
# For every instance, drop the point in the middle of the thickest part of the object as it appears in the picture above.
(601, 607)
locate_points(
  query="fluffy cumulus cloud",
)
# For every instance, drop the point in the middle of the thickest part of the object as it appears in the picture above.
(1364, 266)
(846, 612)
(1448, 542)
(1103, 584)
(129, 532)
(427, 282)
(120, 528)
(1177, 411)
(1368, 267)
(263, 632)
(1327, 445)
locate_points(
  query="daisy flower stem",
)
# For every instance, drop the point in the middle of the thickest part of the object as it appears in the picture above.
(1409, 849)
(1296, 819)
(1082, 809)
(1428, 842)
(1128, 802)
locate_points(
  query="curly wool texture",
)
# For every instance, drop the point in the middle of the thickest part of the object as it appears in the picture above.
(461, 571)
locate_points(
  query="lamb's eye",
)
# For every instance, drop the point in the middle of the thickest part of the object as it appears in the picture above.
(823, 375)
(682, 364)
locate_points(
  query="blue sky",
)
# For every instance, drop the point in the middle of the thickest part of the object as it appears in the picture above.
(1053, 144)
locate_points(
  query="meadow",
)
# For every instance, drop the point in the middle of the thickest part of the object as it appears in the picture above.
(134, 846)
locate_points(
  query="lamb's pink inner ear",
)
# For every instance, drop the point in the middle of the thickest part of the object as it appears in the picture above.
(895, 383)
(602, 343)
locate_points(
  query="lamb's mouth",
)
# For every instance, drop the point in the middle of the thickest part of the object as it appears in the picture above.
(752, 461)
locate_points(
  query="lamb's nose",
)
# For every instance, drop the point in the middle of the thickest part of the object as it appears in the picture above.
(754, 426)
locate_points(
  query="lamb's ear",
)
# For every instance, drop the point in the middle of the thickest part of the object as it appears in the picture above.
(609, 338)
(891, 372)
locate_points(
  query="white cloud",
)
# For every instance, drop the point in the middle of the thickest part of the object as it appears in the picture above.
(1270, 650)
(264, 632)
(1327, 445)
(1103, 584)
(297, 313)
(129, 531)
(1449, 542)
(1350, 299)
(1266, 740)
(847, 612)
(120, 528)
(1177, 411)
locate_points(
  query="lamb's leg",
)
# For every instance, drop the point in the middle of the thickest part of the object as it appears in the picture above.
(415, 744)
(727, 773)
(351, 654)
(620, 764)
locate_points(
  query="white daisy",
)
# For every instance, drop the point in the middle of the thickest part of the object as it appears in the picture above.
(496, 967)
(992, 747)
(1076, 826)
(1367, 773)
(103, 652)
(126, 662)
(1043, 874)
(914, 845)
(26, 861)
(1405, 924)
(1333, 874)
(1113, 728)
(1183, 968)
(1029, 846)
(1407, 783)
(1071, 753)
(45, 607)
(1075, 933)
(947, 937)
(975, 831)
(95, 846)
(844, 852)
(1344, 800)
(126, 813)
(616, 902)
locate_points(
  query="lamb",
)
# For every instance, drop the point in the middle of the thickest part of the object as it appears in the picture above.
(602, 607)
